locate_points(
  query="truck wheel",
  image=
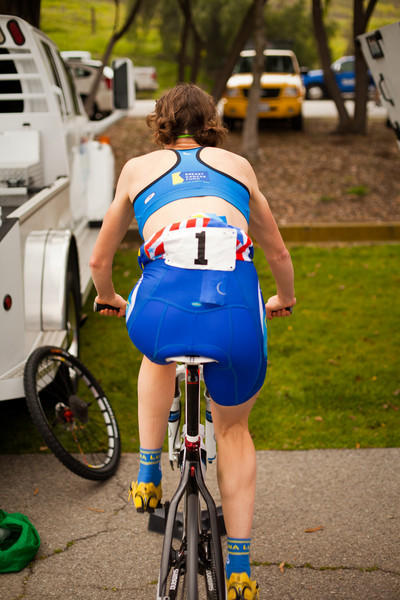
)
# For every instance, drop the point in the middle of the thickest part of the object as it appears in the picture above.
(230, 123)
(315, 92)
(72, 305)
(72, 413)
(297, 122)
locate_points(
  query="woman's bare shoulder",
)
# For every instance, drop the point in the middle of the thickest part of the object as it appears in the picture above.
(233, 164)
(150, 157)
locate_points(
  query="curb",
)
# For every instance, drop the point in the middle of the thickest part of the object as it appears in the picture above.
(303, 233)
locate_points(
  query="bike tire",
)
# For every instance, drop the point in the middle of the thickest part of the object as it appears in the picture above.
(192, 546)
(211, 586)
(72, 413)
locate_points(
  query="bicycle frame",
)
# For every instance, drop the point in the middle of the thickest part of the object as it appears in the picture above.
(192, 484)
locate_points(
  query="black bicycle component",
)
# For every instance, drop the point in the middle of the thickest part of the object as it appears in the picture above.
(192, 408)
(199, 532)
(72, 413)
(97, 307)
(192, 543)
(288, 308)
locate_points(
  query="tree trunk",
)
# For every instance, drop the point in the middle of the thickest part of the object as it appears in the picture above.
(89, 102)
(360, 23)
(26, 9)
(241, 38)
(189, 28)
(182, 51)
(329, 78)
(250, 146)
(198, 45)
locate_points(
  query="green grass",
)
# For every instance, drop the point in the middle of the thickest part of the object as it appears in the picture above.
(333, 375)
(358, 190)
(333, 366)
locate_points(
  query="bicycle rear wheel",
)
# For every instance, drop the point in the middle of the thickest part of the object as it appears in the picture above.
(72, 413)
(192, 546)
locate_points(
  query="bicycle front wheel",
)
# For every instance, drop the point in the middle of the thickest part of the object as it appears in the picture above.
(192, 546)
(72, 413)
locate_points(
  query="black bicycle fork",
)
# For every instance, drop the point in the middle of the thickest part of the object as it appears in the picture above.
(192, 482)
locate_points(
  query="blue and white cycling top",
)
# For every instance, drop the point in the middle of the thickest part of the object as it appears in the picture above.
(189, 177)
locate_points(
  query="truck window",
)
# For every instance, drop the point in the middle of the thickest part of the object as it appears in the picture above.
(71, 86)
(13, 86)
(273, 64)
(55, 76)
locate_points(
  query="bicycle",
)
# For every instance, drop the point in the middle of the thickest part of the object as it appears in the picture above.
(198, 531)
(72, 413)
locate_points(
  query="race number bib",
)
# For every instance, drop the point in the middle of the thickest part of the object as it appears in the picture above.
(212, 248)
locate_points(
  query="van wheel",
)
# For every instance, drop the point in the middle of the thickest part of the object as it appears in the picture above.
(315, 92)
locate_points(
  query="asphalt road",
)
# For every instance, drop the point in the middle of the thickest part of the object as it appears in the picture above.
(326, 526)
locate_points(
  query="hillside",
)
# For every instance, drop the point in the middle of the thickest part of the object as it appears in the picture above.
(79, 25)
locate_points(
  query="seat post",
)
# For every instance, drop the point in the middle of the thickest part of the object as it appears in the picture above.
(192, 408)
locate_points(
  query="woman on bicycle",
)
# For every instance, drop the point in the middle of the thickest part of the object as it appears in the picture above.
(198, 294)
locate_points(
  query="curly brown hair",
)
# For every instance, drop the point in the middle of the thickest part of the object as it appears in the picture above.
(186, 109)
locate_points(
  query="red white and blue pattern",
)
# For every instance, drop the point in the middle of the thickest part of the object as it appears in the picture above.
(154, 247)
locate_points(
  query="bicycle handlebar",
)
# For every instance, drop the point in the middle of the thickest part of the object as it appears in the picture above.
(288, 308)
(97, 307)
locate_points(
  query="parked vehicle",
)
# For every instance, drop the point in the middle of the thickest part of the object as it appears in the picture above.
(344, 70)
(145, 79)
(282, 90)
(56, 183)
(80, 60)
(381, 49)
(84, 73)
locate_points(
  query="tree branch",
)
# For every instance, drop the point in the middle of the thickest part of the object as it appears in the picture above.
(89, 102)
(238, 43)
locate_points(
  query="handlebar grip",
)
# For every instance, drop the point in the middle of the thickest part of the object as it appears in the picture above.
(97, 307)
(288, 308)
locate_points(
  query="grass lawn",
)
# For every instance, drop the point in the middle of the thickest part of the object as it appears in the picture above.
(333, 377)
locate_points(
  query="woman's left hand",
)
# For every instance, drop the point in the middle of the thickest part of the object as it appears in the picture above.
(276, 308)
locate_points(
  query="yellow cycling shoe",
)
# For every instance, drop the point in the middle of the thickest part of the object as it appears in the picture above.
(241, 587)
(145, 496)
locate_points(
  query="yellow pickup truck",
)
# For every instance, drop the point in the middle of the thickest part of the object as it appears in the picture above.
(282, 90)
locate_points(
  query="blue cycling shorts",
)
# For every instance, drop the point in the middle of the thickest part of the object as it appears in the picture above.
(219, 314)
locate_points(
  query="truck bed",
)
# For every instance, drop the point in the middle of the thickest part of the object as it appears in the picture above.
(9, 203)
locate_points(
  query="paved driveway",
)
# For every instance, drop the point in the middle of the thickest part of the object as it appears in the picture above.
(95, 546)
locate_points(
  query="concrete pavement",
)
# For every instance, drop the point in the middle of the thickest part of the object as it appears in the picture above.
(311, 109)
(95, 546)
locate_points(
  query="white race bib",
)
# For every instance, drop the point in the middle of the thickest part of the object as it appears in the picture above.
(212, 248)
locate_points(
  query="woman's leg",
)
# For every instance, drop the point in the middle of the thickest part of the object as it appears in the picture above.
(236, 466)
(156, 386)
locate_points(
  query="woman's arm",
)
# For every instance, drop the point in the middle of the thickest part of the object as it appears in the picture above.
(265, 230)
(112, 232)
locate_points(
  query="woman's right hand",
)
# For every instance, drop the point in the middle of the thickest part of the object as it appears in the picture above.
(118, 301)
(276, 308)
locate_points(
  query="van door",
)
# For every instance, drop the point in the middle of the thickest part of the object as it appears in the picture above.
(381, 49)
